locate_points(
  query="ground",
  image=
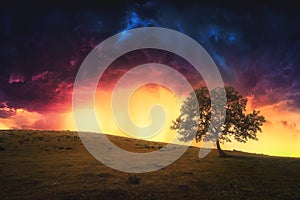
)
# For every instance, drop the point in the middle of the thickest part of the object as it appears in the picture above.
(55, 165)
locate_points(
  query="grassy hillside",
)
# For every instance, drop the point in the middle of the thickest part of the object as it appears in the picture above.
(55, 165)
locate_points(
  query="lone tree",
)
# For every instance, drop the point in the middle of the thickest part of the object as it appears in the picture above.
(237, 124)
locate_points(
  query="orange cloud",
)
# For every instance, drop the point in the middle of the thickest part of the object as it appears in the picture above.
(23, 119)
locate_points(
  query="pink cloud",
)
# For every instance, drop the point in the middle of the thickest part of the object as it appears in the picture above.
(73, 62)
(16, 78)
(39, 76)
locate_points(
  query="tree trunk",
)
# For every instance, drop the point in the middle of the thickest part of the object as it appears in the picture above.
(222, 154)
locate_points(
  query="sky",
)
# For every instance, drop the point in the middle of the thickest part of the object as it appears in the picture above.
(256, 47)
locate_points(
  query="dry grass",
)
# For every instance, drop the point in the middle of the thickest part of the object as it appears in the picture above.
(55, 165)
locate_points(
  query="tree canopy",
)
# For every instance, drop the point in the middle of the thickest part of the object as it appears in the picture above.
(237, 124)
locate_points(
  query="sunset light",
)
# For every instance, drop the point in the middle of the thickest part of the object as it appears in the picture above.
(149, 99)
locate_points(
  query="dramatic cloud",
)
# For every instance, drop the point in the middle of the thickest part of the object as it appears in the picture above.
(256, 47)
(40, 76)
(6, 112)
(14, 78)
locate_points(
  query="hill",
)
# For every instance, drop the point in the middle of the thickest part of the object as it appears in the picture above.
(55, 165)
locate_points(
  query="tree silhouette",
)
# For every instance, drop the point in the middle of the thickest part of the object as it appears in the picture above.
(237, 124)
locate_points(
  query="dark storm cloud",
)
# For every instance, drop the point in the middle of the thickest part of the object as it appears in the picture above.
(39, 39)
(257, 48)
(255, 45)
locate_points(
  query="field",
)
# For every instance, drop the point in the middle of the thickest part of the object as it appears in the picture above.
(55, 165)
